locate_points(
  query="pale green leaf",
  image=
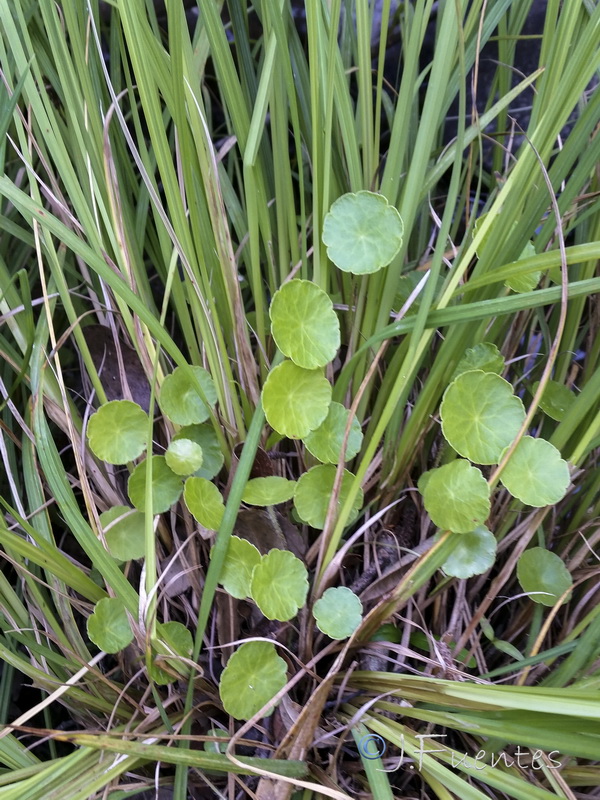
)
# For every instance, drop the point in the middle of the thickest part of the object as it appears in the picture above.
(484, 356)
(304, 325)
(480, 416)
(269, 491)
(206, 438)
(543, 576)
(535, 473)
(313, 492)
(556, 400)
(179, 644)
(338, 613)
(456, 497)
(295, 400)
(362, 232)
(118, 431)
(236, 573)
(180, 399)
(204, 501)
(184, 456)
(123, 529)
(279, 585)
(108, 626)
(473, 553)
(325, 442)
(253, 675)
(527, 281)
(166, 486)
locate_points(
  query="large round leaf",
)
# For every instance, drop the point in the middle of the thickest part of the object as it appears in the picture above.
(338, 613)
(325, 442)
(166, 486)
(480, 416)
(184, 456)
(313, 493)
(253, 675)
(456, 496)
(180, 399)
(123, 529)
(543, 576)
(236, 574)
(269, 491)
(473, 553)
(295, 400)
(108, 626)
(204, 502)
(279, 585)
(362, 232)
(212, 456)
(118, 431)
(535, 473)
(304, 324)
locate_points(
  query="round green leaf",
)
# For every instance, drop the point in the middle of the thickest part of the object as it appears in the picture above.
(473, 553)
(456, 497)
(180, 399)
(204, 502)
(362, 232)
(295, 400)
(236, 574)
(108, 626)
(253, 675)
(184, 456)
(123, 529)
(484, 356)
(536, 474)
(325, 442)
(279, 585)
(166, 486)
(543, 572)
(313, 492)
(304, 325)
(480, 416)
(206, 438)
(178, 640)
(338, 613)
(556, 400)
(118, 431)
(268, 491)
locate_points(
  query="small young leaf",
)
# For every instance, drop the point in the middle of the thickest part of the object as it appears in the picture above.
(108, 626)
(253, 675)
(338, 613)
(556, 400)
(204, 502)
(268, 491)
(166, 486)
(123, 529)
(184, 456)
(484, 356)
(118, 431)
(236, 574)
(539, 570)
(180, 399)
(456, 497)
(473, 554)
(179, 641)
(536, 474)
(295, 400)
(527, 281)
(279, 585)
(206, 438)
(304, 325)
(363, 233)
(313, 492)
(325, 442)
(480, 416)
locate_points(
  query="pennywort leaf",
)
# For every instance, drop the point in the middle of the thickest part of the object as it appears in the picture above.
(313, 492)
(166, 486)
(253, 675)
(118, 431)
(180, 399)
(204, 502)
(535, 473)
(456, 496)
(295, 400)
(240, 560)
(543, 576)
(123, 529)
(325, 442)
(338, 613)
(108, 626)
(473, 553)
(268, 491)
(184, 456)
(279, 585)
